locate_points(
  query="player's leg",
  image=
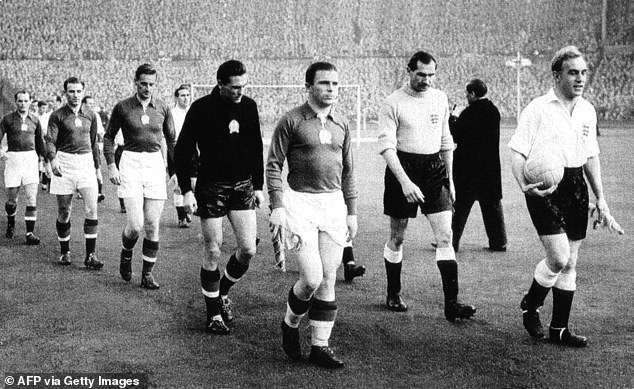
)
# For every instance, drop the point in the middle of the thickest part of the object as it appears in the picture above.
(62, 225)
(210, 274)
(350, 267)
(462, 208)
(300, 296)
(177, 199)
(30, 215)
(393, 259)
(493, 218)
(90, 197)
(563, 294)
(546, 273)
(323, 311)
(152, 209)
(448, 266)
(10, 207)
(245, 230)
(130, 233)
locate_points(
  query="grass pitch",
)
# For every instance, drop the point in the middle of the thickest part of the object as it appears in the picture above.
(68, 319)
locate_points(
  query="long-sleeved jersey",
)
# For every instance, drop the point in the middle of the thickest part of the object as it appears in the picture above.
(228, 136)
(72, 133)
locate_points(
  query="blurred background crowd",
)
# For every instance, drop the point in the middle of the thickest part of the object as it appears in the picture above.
(42, 42)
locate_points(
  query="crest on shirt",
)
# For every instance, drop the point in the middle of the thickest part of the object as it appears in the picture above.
(234, 127)
(434, 118)
(78, 122)
(24, 127)
(325, 137)
(585, 130)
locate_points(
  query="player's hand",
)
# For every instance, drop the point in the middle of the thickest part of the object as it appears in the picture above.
(604, 218)
(173, 182)
(113, 172)
(277, 222)
(47, 170)
(533, 190)
(351, 221)
(55, 169)
(189, 202)
(412, 193)
(259, 198)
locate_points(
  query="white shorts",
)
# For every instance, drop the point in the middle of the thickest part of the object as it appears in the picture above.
(307, 214)
(78, 172)
(142, 175)
(21, 168)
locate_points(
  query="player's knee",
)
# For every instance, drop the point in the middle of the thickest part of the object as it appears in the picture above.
(151, 228)
(63, 214)
(310, 284)
(397, 241)
(443, 238)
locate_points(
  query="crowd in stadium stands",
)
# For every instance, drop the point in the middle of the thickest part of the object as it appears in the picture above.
(103, 42)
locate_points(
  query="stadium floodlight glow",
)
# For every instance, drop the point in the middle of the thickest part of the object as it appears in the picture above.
(272, 106)
(518, 63)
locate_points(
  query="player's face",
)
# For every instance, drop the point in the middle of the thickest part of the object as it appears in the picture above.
(89, 104)
(42, 109)
(571, 80)
(324, 90)
(74, 93)
(471, 97)
(145, 85)
(234, 89)
(422, 78)
(183, 98)
(23, 101)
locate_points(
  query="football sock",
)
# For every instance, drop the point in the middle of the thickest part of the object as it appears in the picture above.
(180, 211)
(233, 273)
(322, 315)
(544, 279)
(90, 234)
(30, 216)
(63, 236)
(449, 275)
(393, 264)
(562, 304)
(209, 281)
(296, 309)
(348, 256)
(150, 252)
(11, 210)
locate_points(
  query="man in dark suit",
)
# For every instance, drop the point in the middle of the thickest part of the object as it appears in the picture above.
(476, 166)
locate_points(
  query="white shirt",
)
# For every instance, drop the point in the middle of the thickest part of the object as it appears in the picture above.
(415, 122)
(178, 114)
(546, 124)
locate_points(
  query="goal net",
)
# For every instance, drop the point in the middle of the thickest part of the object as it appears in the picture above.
(275, 100)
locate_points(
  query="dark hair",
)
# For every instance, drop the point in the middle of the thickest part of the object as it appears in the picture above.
(315, 67)
(230, 69)
(146, 68)
(83, 101)
(478, 87)
(182, 87)
(423, 57)
(21, 92)
(42, 103)
(562, 55)
(73, 80)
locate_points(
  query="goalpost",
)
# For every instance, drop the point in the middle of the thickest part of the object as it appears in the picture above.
(274, 100)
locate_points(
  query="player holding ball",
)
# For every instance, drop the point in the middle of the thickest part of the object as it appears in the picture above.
(565, 123)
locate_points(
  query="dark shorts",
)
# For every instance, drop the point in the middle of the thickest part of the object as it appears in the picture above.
(563, 211)
(426, 171)
(218, 198)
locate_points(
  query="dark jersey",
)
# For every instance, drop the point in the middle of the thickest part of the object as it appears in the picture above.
(228, 138)
(22, 134)
(73, 134)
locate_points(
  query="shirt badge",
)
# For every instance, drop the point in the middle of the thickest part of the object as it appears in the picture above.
(325, 137)
(234, 127)
(145, 119)
(78, 122)
(585, 130)
(24, 127)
